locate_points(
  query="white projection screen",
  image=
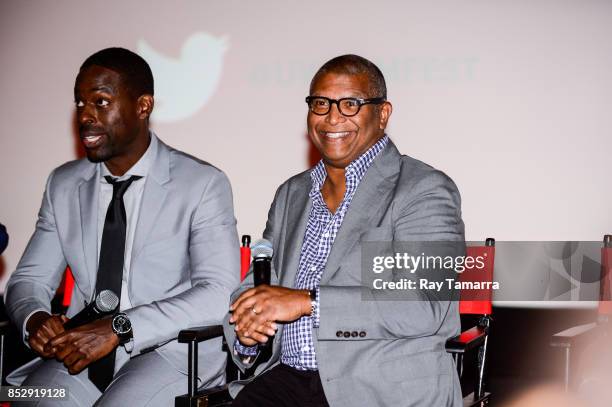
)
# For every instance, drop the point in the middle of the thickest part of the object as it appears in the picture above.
(512, 99)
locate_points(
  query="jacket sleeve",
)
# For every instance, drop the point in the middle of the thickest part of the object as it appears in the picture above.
(214, 266)
(33, 284)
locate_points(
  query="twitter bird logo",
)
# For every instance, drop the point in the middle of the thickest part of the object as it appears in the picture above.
(184, 85)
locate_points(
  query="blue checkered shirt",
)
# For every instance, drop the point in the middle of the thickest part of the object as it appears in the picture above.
(297, 346)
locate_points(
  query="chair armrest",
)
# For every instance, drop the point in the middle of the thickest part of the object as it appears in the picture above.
(5, 326)
(574, 335)
(467, 340)
(200, 333)
(193, 336)
(215, 397)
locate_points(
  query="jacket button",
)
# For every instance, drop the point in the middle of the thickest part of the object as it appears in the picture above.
(347, 334)
(354, 334)
(362, 334)
(339, 334)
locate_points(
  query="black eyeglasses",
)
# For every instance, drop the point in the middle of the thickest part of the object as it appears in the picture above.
(321, 105)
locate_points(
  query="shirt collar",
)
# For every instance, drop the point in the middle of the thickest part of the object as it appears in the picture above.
(356, 169)
(142, 166)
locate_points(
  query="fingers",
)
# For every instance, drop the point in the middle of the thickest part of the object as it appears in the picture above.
(55, 324)
(38, 342)
(79, 365)
(59, 339)
(260, 327)
(39, 346)
(257, 329)
(247, 341)
(72, 358)
(77, 354)
(258, 337)
(62, 353)
(245, 317)
(47, 330)
(243, 297)
(247, 307)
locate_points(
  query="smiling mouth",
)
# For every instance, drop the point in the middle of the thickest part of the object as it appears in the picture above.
(336, 135)
(92, 140)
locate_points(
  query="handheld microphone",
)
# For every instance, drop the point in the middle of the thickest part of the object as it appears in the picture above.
(262, 261)
(262, 269)
(106, 302)
(4, 238)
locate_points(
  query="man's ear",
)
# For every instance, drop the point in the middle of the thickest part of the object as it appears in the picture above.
(385, 112)
(145, 106)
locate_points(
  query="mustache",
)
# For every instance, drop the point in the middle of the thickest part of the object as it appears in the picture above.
(90, 129)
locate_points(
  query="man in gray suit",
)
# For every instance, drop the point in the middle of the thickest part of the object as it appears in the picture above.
(334, 343)
(152, 224)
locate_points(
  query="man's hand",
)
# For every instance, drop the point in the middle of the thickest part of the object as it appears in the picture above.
(257, 309)
(269, 329)
(80, 347)
(42, 327)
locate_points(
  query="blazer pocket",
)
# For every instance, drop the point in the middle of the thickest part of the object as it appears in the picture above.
(379, 234)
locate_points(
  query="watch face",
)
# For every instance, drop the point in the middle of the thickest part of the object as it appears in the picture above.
(121, 324)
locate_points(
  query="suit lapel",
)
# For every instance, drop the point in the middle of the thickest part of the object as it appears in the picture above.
(373, 193)
(88, 205)
(153, 198)
(299, 206)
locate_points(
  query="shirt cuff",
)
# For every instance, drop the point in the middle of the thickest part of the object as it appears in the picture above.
(245, 350)
(315, 309)
(24, 332)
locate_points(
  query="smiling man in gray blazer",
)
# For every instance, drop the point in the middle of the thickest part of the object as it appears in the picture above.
(152, 224)
(334, 343)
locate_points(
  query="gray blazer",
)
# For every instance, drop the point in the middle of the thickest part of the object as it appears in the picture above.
(185, 256)
(400, 359)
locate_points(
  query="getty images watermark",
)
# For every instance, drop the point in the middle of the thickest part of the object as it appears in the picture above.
(509, 271)
(423, 263)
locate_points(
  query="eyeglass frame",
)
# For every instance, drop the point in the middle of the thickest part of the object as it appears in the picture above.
(360, 102)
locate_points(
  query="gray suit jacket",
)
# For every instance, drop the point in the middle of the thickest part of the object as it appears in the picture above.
(185, 256)
(401, 360)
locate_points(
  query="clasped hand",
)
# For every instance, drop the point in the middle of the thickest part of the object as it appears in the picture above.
(256, 311)
(78, 347)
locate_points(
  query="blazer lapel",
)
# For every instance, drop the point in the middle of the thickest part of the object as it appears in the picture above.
(153, 198)
(299, 205)
(372, 194)
(88, 204)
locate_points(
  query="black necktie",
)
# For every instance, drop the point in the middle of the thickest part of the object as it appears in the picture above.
(110, 268)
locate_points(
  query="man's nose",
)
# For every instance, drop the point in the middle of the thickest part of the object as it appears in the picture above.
(86, 115)
(334, 116)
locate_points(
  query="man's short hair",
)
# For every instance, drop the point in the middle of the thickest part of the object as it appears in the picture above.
(133, 69)
(355, 65)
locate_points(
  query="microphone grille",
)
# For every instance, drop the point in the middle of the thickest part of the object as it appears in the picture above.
(107, 301)
(262, 248)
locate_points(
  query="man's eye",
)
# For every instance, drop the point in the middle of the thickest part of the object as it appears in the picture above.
(79, 103)
(351, 103)
(102, 102)
(320, 102)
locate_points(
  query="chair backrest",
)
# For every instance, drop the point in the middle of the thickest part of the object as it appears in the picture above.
(605, 284)
(245, 256)
(68, 286)
(479, 265)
